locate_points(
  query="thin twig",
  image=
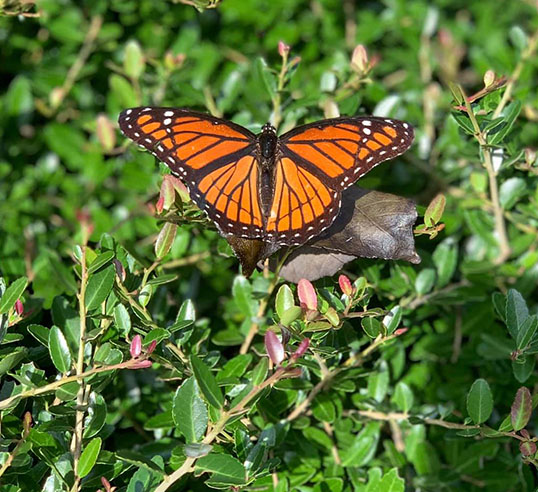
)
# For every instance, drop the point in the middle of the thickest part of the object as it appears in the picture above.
(87, 47)
(500, 226)
(81, 395)
(48, 388)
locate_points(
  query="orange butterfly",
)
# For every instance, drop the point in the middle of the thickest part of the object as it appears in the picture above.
(282, 190)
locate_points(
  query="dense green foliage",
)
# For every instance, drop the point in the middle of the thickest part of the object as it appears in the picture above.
(416, 376)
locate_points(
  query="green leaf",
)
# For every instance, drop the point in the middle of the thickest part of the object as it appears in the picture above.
(40, 333)
(392, 320)
(521, 410)
(290, 315)
(527, 331)
(242, 292)
(403, 397)
(516, 312)
(371, 326)
(123, 91)
(479, 401)
(284, 300)
(89, 456)
(523, 369)
(224, 467)
(518, 37)
(510, 113)
(122, 319)
(259, 373)
(378, 382)
(391, 482)
(435, 210)
(266, 76)
(189, 411)
(323, 408)
(100, 261)
(445, 258)
(425, 281)
(186, 311)
(99, 286)
(12, 294)
(511, 191)
(59, 350)
(464, 122)
(206, 382)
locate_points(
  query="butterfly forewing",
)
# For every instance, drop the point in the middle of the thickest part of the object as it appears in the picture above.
(341, 150)
(215, 158)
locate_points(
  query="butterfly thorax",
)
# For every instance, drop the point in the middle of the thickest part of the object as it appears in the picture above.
(267, 142)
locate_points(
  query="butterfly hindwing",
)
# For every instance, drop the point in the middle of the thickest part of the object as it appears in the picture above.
(302, 207)
(215, 158)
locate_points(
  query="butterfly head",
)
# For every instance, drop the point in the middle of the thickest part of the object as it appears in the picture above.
(268, 128)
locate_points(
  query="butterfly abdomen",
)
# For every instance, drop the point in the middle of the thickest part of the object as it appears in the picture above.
(267, 142)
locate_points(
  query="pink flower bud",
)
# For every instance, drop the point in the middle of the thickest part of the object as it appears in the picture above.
(301, 349)
(283, 49)
(106, 483)
(136, 346)
(151, 347)
(19, 308)
(142, 364)
(307, 295)
(345, 285)
(400, 331)
(159, 206)
(275, 349)
(489, 78)
(359, 59)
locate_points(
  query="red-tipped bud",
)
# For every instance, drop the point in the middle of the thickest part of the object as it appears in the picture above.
(151, 347)
(173, 62)
(307, 295)
(489, 78)
(283, 49)
(294, 62)
(400, 331)
(86, 224)
(136, 346)
(274, 348)
(143, 364)
(120, 271)
(159, 206)
(167, 193)
(301, 349)
(19, 308)
(106, 483)
(359, 59)
(345, 285)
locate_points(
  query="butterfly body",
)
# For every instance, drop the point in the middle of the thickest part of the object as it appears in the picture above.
(282, 190)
